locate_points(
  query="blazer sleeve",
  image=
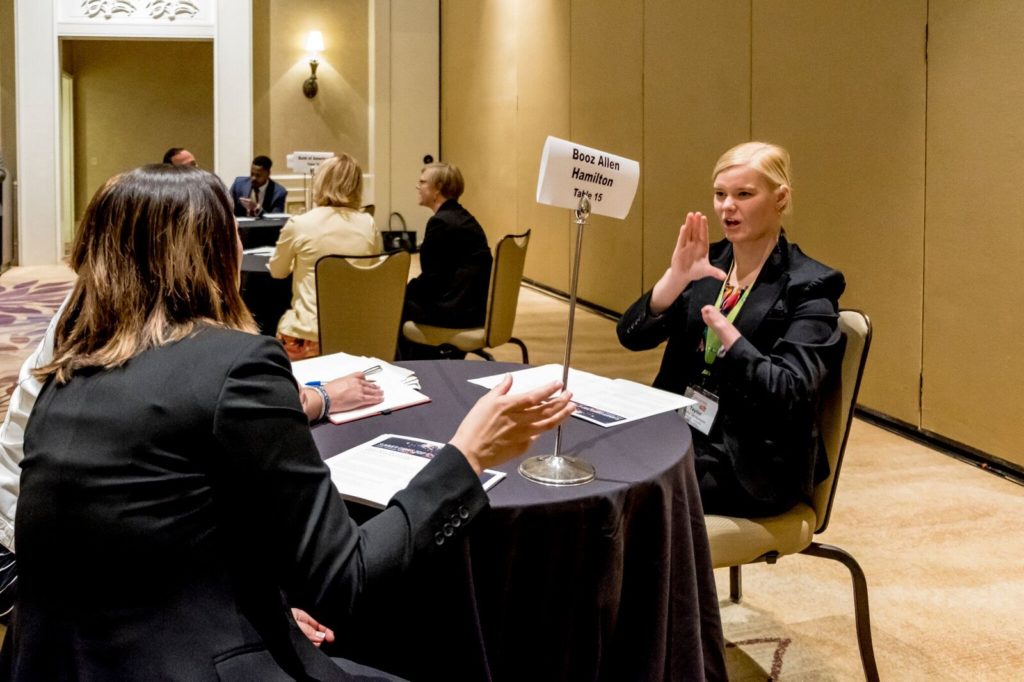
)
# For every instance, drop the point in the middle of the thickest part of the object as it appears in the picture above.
(277, 198)
(809, 345)
(640, 329)
(282, 488)
(281, 260)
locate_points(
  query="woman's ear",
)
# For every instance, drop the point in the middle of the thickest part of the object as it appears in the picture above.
(782, 198)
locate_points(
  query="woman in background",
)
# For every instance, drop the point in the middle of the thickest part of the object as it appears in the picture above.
(172, 497)
(455, 262)
(335, 226)
(752, 330)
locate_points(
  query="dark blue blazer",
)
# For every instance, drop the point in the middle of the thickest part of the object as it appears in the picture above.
(273, 198)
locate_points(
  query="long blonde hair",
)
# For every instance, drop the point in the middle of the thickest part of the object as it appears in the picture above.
(156, 255)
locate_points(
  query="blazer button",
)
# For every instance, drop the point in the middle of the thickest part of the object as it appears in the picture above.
(463, 513)
(456, 521)
(438, 538)
(448, 530)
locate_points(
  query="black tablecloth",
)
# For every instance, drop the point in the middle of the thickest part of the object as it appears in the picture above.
(611, 580)
(266, 297)
(260, 232)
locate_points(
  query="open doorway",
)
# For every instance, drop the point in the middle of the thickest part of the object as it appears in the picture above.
(128, 102)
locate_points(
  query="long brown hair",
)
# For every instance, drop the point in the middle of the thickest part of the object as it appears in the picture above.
(156, 254)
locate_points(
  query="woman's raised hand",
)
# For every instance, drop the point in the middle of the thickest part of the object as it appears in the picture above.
(501, 426)
(689, 263)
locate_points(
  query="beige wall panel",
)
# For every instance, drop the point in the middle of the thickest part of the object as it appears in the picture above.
(478, 107)
(842, 86)
(336, 119)
(696, 105)
(973, 367)
(132, 103)
(543, 49)
(607, 113)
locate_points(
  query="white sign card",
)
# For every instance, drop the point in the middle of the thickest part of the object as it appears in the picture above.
(569, 171)
(306, 162)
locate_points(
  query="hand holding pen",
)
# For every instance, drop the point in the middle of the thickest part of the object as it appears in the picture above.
(353, 391)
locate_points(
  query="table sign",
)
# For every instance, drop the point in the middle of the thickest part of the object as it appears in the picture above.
(584, 179)
(569, 171)
(306, 162)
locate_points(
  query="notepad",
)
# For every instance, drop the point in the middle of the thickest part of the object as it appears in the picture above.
(400, 385)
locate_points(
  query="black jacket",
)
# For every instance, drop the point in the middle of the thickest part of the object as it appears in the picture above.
(168, 505)
(769, 382)
(456, 272)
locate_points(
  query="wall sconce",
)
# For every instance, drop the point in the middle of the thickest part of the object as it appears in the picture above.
(314, 45)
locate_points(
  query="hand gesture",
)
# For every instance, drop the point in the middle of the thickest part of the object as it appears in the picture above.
(353, 391)
(314, 631)
(717, 322)
(689, 263)
(501, 426)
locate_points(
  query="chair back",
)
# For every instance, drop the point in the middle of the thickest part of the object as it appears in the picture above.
(838, 405)
(359, 303)
(506, 279)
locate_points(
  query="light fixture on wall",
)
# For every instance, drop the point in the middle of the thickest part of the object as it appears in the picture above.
(314, 45)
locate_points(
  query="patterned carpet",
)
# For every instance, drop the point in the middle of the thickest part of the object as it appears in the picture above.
(25, 309)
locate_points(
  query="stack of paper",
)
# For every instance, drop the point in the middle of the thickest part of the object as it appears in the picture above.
(605, 402)
(373, 472)
(400, 385)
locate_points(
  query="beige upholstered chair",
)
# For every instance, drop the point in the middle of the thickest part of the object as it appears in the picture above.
(502, 299)
(359, 303)
(738, 541)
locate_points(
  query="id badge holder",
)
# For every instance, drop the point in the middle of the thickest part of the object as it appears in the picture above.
(701, 415)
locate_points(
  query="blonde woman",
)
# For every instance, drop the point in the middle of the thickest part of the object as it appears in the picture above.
(752, 330)
(335, 226)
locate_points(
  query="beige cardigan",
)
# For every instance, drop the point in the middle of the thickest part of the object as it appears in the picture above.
(304, 239)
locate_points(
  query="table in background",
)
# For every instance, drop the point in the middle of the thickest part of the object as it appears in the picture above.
(611, 580)
(267, 298)
(260, 231)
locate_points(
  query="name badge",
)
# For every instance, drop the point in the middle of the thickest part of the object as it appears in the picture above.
(701, 415)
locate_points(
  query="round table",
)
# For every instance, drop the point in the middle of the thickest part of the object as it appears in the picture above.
(608, 580)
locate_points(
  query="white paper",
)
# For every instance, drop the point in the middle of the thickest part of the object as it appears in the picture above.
(373, 472)
(260, 251)
(569, 171)
(599, 400)
(400, 385)
(275, 216)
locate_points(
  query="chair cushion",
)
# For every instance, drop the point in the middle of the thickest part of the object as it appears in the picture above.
(464, 339)
(737, 541)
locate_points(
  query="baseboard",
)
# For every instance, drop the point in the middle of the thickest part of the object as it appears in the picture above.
(558, 293)
(947, 446)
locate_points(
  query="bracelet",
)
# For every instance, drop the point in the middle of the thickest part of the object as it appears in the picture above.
(325, 407)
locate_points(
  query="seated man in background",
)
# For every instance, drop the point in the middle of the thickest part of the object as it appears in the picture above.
(258, 194)
(179, 156)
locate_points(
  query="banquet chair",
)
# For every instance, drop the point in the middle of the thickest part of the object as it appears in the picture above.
(737, 541)
(359, 303)
(502, 300)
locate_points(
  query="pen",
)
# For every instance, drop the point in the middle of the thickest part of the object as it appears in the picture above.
(366, 372)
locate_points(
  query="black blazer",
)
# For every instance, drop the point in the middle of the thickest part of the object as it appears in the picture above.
(456, 271)
(168, 505)
(769, 382)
